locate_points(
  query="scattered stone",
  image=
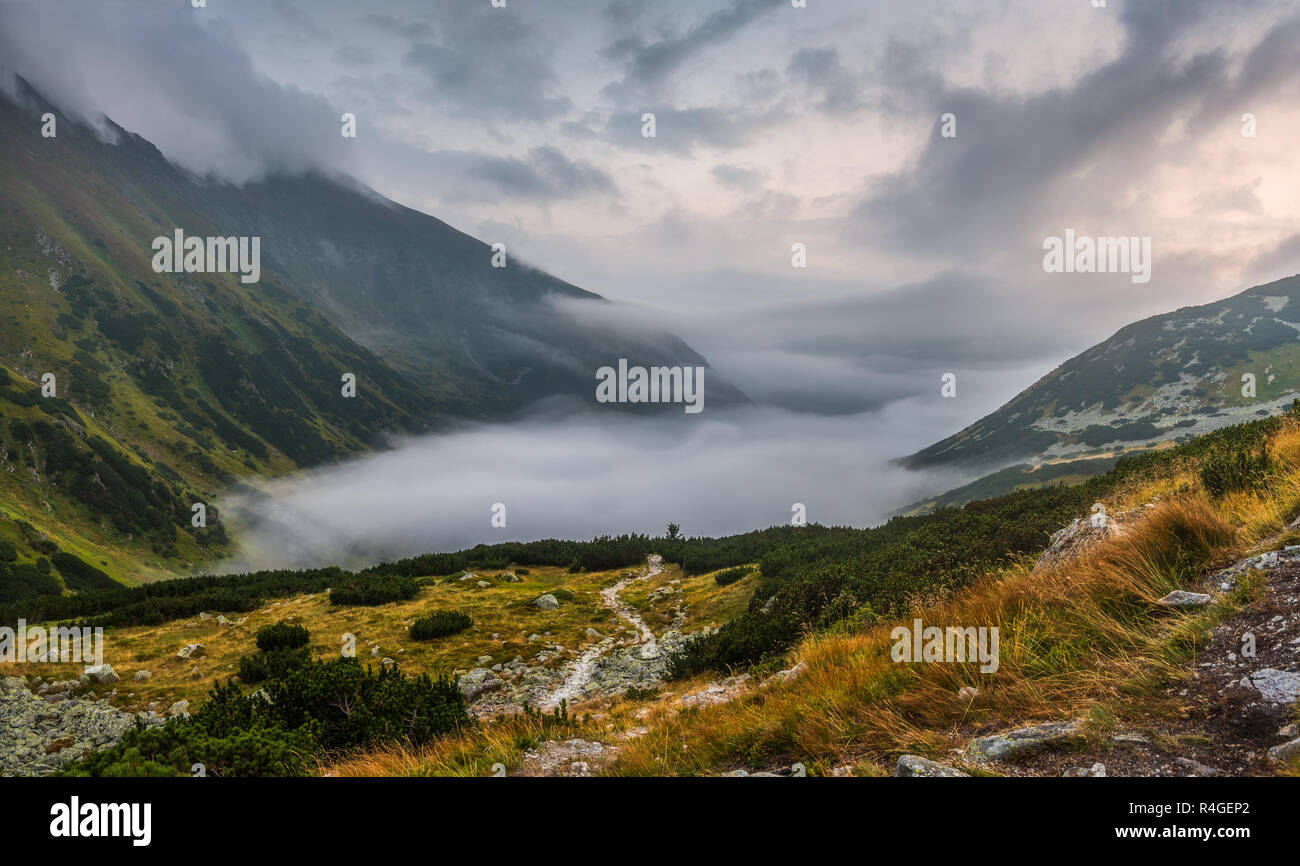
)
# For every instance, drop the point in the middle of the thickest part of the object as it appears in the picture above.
(1096, 771)
(1182, 598)
(968, 693)
(478, 682)
(102, 674)
(593, 635)
(786, 676)
(204, 615)
(1275, 686)
(193, 650)
(142, 676)
(1285, 752)
(546, 602)
(1196, 768)
(180, 708)
(1020, 741)
(916, 766)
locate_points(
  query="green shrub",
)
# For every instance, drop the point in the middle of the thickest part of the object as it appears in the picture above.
(440, 623)
(81, 575)
(174, 748)
(314, 709)
(282, 636)
(747, 639)
(1234, 471)
(730, 575)
(373, 589)
(272, 664)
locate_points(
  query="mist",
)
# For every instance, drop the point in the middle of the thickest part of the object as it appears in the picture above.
(570, 471)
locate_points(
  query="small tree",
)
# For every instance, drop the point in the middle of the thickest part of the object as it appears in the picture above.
(674, 531)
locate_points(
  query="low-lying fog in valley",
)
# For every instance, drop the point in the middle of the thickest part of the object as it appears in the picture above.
(578, 472)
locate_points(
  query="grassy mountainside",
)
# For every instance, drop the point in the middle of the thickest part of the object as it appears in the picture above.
(168, 387)
(1082, 634)
(1171, 376)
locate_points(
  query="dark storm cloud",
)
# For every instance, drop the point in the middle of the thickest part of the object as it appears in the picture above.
(545, 173)
(488, 65)
(651, 62)
(820, 70)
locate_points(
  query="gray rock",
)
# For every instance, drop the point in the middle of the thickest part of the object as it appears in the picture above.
(479, 682)
(546, 602)
(194, 650)
(1181, 598)
(787, 675)
(1196, 768)
(1096, 771)
(103, 674)
(142, 676)
(1285, 752)
(916, 766)
(180, 708)
(1275, 686)
(1020, 741)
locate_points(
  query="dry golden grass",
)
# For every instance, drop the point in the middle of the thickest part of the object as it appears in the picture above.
(1071, 638)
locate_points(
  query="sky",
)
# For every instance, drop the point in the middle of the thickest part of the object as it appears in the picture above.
(775, 125)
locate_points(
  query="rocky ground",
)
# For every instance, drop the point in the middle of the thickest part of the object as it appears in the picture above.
(608, 664)
(42, 731)
(1235, 716)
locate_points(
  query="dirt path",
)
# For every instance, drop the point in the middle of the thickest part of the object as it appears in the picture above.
(576, 680)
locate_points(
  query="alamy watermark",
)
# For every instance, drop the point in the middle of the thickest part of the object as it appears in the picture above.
(651, 385)
(60, 644)
(210, 255)
(1101, 255)
(953, 644)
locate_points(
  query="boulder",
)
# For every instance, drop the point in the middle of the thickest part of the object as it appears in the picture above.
(479, 682)
(546, 602)
(103, 674)
(915, 765)
(142, 676)
(180, 708)
(1019, 741)
(1196, 768)
(1096, 771)
(190, 651)
(1285, 752)
(1275, 686)
(1182, 598)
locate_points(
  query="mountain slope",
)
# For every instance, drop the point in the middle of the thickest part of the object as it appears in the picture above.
(1167, 377)
(169, 386)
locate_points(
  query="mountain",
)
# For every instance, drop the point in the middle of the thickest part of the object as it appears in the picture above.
(170, 386)
(1169, 377)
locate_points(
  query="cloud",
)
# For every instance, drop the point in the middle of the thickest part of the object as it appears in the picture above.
(820, 69)
(650, 63)
(486, 64)
(574, 473)
(144, 61)
(681, 130)
(1022, 163)
(737, 176)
